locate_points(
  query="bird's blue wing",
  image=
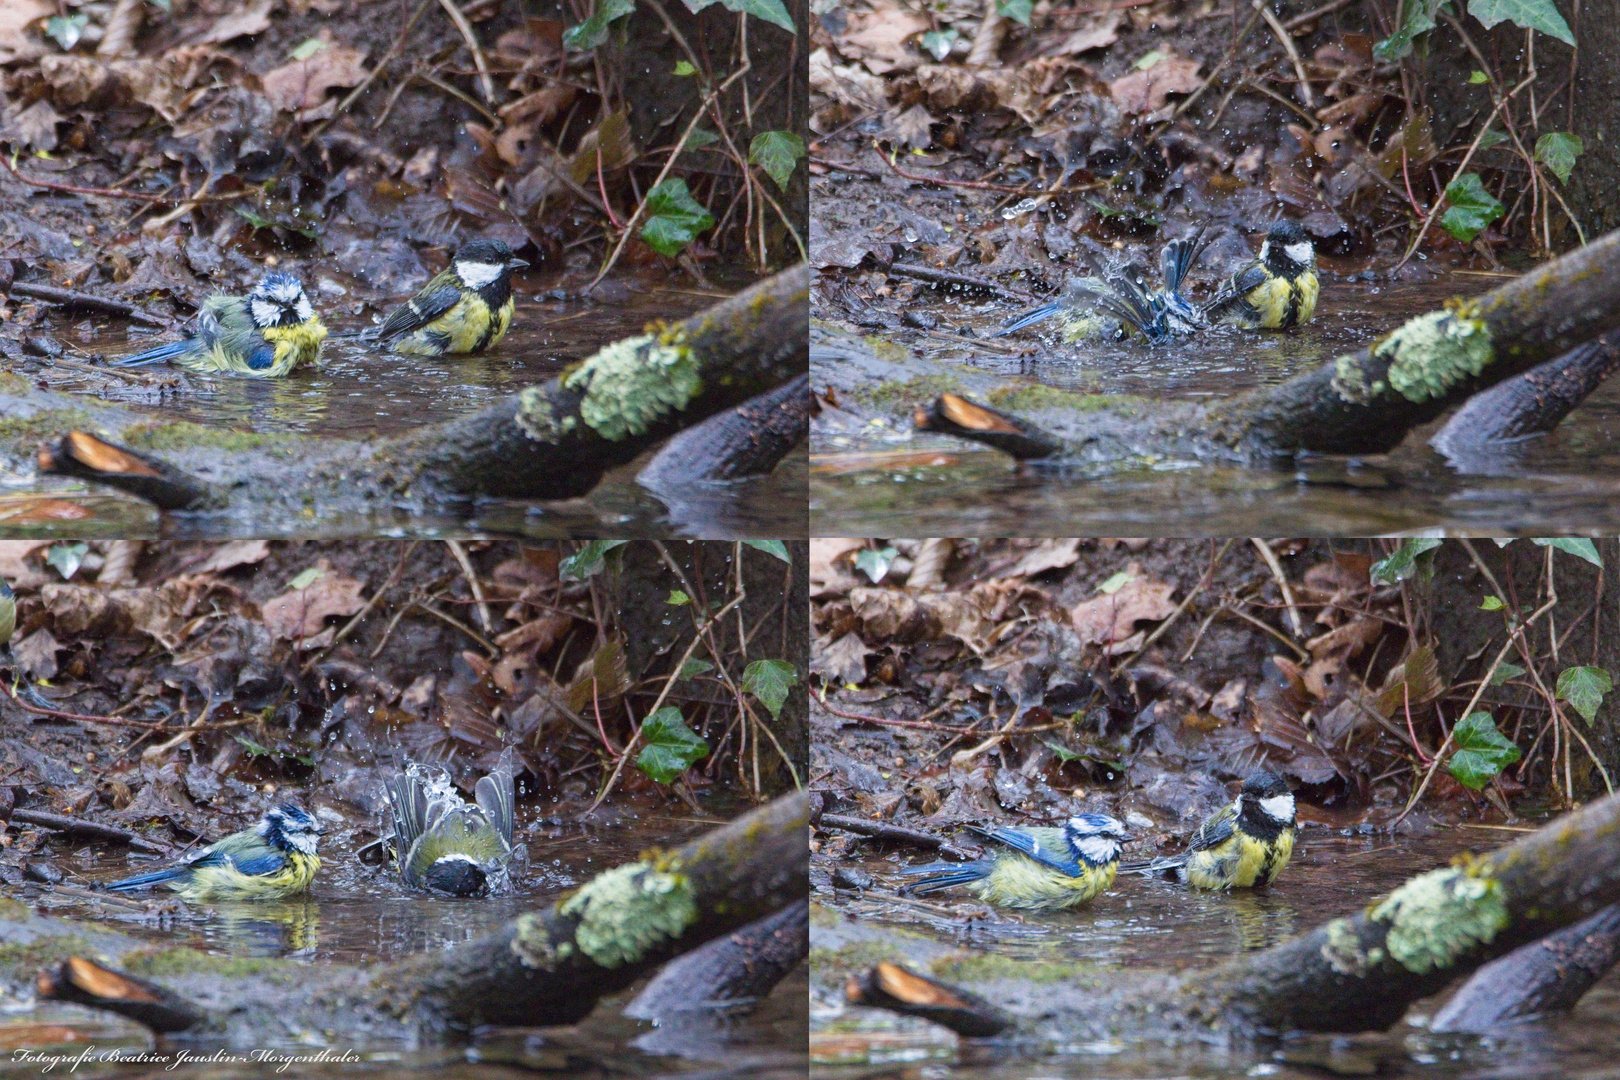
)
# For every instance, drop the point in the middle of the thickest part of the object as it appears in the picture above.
(266, 861)
(1048, 850)
(1178, 257)
(944, 875)
(1216, 830)
(1030, 318)
(156, 355)
(419, 310)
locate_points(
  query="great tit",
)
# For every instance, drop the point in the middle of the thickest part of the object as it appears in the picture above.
(444, 845)
(1275, 291)
(1243, 844)
(1044, 870)
(265, 334)
(466, 308)
(8, 613)
(274, 859)
(1117, 302)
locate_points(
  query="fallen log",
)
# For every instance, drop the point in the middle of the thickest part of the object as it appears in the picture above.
(732, 974)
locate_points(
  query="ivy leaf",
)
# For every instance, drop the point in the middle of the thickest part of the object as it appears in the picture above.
(1491, 138)
(938, 43)
(1492, 603)
(594, 30)
(67, 558)
(1578, 546)
(1419, 20)
(693, 668)
(1526, 14)
(1403, 563)
(1583, 688)
(1482, 751)
(771, 11)
(771, 547)
(677, 598)
(674, 218)
(778, 153)
(1504, 672)
(684, 68)
(769, 681)
(1472, 208)
(1018, 11)
(699, 138)
(66, 29)
(875, 563)
(1558, 150)
(588, 561)
(671, 748)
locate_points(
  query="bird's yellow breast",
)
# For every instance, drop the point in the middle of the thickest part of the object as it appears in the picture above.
(1241, 862)
(1017, 882)
(1309, 287)
(295, 346)
(226, 882)
(469, 326)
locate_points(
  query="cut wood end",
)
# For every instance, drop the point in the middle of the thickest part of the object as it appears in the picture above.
(912, 989)
(964, 413)
(102, 983)
(103, 457)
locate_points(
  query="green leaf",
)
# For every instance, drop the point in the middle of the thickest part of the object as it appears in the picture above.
(306, 578)
(308, 48)
(1492, 603)
(677, 598)
(1526, 14)
(693, 668)
(1472, 208)
(671, 748)
(778, 153)
(1583, 688)
(699, 137)
(588, 561)
(1403, 563)
(875, 563)
(769, 680)
(258, 220)
(164, 4)
(1147, 60)
(1419, 20)
(67, 558)
(1116, 582)
(1482, 751)
(1574, 545)
(674, 218)
(771, 11)
(1504, 672)
(1491, 138)
(1477, 77)
(1558, 150)
(684, 68)
(254, 749)
(594, 30)
(66, 29)
(771, 547)
(938, 43)
(1018, 11)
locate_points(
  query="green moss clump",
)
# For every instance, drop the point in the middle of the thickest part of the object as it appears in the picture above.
(12, 383)
(1433, 353)
(633, 384)
(184, 435)
(884, 349)
(626, 912)
(531, 944)
(1031, 398)
(171, 962)
(1350, 381)
(46, 424)
(1439, 917)
(1344, 953)
(911, 393)
(988, 968)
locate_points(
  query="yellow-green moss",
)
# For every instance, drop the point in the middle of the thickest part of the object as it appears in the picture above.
(1439, 917)
(171, 962)
(626, 912)
(1433, 353)
(12, 383)
(45, 424)
(1344, 953)
(1031, 398)
(988, 968)
(911, 393)
(184, 435)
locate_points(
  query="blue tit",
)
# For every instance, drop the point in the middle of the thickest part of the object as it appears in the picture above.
(1275, 291)
(1243, 844)
(265, 334)
(1042, 870)
(274, 859)
(465, 309)
(444, 845)
(1118, 303)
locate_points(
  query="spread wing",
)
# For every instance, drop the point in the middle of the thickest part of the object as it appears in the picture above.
(409, 803)
(438, 297)
(1216, 830)
(1045, 846)
(494, 796)
(461, 832)
(224, 322)
(1237, 286)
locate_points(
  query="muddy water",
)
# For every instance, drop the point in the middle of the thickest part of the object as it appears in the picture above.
(357, 915)
(918, 485)
(1152, 924)
(362, 392)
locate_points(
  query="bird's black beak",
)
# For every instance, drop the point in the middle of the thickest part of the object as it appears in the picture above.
(516, 264)
(1128, 839)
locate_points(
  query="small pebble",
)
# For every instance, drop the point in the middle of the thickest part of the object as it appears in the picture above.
(922, 320)
(42, 345)
(852, 878)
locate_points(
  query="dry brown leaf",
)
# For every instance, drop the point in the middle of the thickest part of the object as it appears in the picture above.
(843, 662)
(914, 128)
(1047, 555)
(536, 636)
(235, 553)
(847, 84)
(1146, 91)
(302, 84)
(1111, 619)
(877, 37)
(542, 106)
(75, 80)
(37, 654)
(300, 614)
(252, 17)
(15, 18)
(34, 126)
(830, 573)
(1094, 35)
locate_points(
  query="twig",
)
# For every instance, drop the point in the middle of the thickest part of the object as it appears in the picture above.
(92, 829)
(131, 378)
(360, 615)
(974, 185)
(883, 721)
(951, 277)
(74, 298)
(472, 580)
(1220, 67)
(1299, 650)
(484, 81)
(1282, 583)
(459, 94)
(1310, 16)
(1292, 50)
(458, 624)
(388, 57)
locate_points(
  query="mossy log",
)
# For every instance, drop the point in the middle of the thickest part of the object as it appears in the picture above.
(732, 973)
(1364, 402)
(1358, 973)
(549, 441)
(543, 968)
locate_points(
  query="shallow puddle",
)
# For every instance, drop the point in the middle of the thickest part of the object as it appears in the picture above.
(896, 483)
(1155, 924)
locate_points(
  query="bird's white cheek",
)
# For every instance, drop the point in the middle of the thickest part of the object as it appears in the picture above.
(478, 274)
(1280, 807)
(1301, 252)
(1265, 250)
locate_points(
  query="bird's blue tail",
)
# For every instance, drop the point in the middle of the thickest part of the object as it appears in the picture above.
(140, 881)
(1154, 866)
(1030, 318)
(153, 356)
(944, 875)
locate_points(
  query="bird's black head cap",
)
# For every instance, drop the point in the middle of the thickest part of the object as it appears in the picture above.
(458, 877)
